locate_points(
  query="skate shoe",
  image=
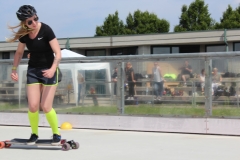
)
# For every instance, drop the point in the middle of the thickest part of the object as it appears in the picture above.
(32, 140)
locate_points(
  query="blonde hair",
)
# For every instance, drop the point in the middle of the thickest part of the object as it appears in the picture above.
(129, 64)
(22, 31)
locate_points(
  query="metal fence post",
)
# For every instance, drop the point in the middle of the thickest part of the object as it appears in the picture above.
(192, 94)
(208, 87)
(120, 87)
(194, 103)
(237, 94)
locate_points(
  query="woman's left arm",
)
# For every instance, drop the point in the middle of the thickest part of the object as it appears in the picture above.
(58, 56)
(56, 49)
(132, 75)
(220, 78)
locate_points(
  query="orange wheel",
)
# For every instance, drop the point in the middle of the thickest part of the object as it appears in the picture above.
(2, 145)
(7, 145)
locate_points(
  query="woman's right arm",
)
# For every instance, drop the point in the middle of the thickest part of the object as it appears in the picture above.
(17, 58)
(18, 55)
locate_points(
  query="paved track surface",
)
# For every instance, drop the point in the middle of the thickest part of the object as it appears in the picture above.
(123, 145)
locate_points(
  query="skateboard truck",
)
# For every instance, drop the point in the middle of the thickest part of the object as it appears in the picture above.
(74, 145)
(69, 144)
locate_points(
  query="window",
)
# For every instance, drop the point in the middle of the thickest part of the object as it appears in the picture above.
(161, 50)
(216, 48)
(124, 51)
(236, 46)
(5, 55)
(175, 49)
(220, 64)
(101, 52)
(189, 49)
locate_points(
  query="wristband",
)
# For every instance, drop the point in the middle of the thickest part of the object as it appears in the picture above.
(14, 68)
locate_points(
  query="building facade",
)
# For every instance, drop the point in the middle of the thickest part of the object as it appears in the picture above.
(172, 43)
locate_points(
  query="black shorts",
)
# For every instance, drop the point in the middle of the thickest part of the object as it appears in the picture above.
(35, 76)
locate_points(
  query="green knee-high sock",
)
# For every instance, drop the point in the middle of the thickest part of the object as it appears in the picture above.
(53, 121)
(33, 119)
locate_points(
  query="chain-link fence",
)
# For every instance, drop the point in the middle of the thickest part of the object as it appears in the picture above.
(188, 85)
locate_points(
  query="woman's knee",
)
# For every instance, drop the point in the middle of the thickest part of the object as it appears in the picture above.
(33, 107)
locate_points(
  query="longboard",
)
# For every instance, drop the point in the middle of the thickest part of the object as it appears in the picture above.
(66, 145)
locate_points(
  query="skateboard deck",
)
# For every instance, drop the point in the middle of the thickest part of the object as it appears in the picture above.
(66, 145)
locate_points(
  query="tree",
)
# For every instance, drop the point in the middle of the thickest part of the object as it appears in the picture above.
(195, 18)
(230, 19)
(145, 22)
(111, 26)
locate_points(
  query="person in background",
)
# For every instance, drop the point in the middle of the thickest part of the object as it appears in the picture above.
(158, 81)
(80, 80)
(202, 80)
(93, 95)
(216, 80)
(130, 79)
(114, 80)
(186, 72)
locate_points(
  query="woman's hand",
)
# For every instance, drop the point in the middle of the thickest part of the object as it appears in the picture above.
(14, 75)
(49, 73)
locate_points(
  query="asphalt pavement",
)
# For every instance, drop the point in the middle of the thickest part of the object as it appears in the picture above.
(122, 145)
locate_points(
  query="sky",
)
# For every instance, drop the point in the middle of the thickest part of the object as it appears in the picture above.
(79, 18)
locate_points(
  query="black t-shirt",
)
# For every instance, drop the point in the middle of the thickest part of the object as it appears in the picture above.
(129, 74)
(114, 75)
(184, 71)
(41, 53)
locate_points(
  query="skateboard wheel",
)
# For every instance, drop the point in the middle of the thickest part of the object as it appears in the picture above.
(75, 145)
(2, 145)
(7, 145)
(66, 147)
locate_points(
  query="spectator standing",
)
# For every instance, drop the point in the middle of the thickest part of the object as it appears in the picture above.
(202, 80)
(130, 79)
(157, 81)
(80, 80)
(216, 80)
(114, 80)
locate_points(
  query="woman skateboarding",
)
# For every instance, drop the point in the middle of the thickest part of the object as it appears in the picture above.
(42, 72)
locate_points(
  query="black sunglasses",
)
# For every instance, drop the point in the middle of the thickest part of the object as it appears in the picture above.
(30, 22)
